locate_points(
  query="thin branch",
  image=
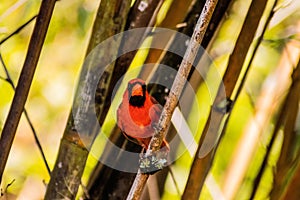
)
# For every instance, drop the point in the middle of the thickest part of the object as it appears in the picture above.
(8, 79)
(11, 83)
(24, 83)
(173, 60)
(175, 92)
(17, 30)
(3, 79)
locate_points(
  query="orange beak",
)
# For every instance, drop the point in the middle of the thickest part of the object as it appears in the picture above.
(137, 90)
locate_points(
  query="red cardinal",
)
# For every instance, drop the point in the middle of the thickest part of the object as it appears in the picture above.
(138, 113)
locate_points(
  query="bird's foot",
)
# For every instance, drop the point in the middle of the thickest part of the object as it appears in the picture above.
(156, 161)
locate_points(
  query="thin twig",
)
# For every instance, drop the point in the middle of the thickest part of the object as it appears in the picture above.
(11, 83)
(17, 30)
(2, 78)
(8, 77)
(24, 83)
(175, 92)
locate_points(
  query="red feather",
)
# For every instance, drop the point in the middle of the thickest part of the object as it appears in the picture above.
(137, 119)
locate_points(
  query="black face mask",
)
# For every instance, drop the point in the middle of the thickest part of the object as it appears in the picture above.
(137, 101)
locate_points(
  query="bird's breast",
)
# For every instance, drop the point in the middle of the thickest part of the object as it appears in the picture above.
(140, 116)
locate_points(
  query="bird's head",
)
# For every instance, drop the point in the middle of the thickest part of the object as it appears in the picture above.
(136, 92)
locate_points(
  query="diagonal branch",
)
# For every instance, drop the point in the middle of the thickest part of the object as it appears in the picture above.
(22, 89)
(17, 30)
(175, 92)
(10, 81)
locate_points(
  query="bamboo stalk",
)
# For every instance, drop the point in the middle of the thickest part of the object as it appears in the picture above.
(286, 119)
(266, 106)
(66, 176)
(293, 191)
(287, 160)
(210, 136)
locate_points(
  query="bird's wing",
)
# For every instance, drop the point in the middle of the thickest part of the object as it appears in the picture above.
(155, 111)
